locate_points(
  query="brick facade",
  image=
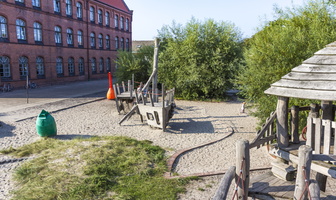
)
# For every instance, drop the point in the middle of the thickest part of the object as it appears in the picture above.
(45, 15)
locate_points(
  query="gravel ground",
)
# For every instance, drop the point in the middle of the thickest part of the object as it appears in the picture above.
(193, 123)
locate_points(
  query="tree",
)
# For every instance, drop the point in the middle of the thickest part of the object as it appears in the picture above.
(199, 59)
(281, 45)
(139, 64)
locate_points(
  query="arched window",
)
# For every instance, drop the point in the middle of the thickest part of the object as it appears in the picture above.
(71, 66)
(68, 7)
(122, 43)
(91, 14)
(108, 64)
(3, 28)
(100, 17)
(39, 66)
(20, 29)
(101, 65)
(58, 35)
(107, 42)
(116, 43)
(79, 10)
(81, 65)
(127, 44)
(107, 19)
(57, 6)
(23, 66)
(36, 3)
(69, 37)
(37, 32)
(93, 65)
(4, 67)
(59, 66)
(127, 26)
(100, 37)
(116, 21)
(122, 23)
(80, 38)
(93, 40)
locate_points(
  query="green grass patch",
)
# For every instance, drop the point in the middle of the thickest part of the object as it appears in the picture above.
(94, 168)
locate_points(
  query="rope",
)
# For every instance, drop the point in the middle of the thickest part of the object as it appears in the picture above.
(306, 181)
(240, 177)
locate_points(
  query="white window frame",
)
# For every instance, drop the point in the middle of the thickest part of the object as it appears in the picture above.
(93, 40)
(127, 25)
(79, 10)
(93, 65)
(116, 43)
(23, 66)
(69, 36)
(71, 67)
(121, 23)
(58, 35)
(107, 42)
(39, 66)
(92, 18)
(59, 65)
(37, 32)
(116, 21)
(57, 6)
(101, 65)
(108, 64)
(122, 44)
(80, 38)
(100, 16)
(5, 67)
(100, 39)
(127, 44)
(37, 3)
(3, 28)
(81, 65)
(107, 18)
(20, 29)
(68, 7)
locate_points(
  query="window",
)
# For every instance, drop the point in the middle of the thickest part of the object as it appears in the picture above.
(39, 66)
(93, 65)
(57, 6)
(127, 44)
(37, 32)
(116, 21)
(100, 17)
(107, 19)
(108, 64)
(93, 40)
(116, 43)
(71, 66)
(91, 14)
(81, 65)
(68, 7)
(4, 67)
(20, 29)
(122, 43)
(107, 42)
(80, 38)
(100, 37)
(59, 66)
(121, 22)
(69, 36)
(23, 66)
(20, 1)
(36, 3)
(101, 65)
(79, 10)
(3, 28)
(127, 26)
(58, 35)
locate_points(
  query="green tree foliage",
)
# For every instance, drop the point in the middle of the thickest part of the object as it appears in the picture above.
(281, 45)
(199, 59)
(139, 64)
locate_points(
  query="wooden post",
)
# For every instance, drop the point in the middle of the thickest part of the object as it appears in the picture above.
(118, 88)
(224, 186)
(271, 131)
(282, 122)
(155, 66)
(163, 110)
(133, 80)
(314, 190)
(129, 85)
(295, 124)
(116, 98)
(305, 158)
(243, 163)
(123, 85)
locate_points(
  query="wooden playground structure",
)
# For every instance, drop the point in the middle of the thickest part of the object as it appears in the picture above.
(295, 158)
(156, 113)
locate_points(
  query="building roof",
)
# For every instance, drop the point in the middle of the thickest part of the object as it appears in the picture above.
(314, 79)
(117, 3)
(137, 44)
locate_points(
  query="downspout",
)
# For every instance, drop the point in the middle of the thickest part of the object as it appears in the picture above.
(87, 34)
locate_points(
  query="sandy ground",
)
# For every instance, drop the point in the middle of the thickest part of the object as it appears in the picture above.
(193, 123)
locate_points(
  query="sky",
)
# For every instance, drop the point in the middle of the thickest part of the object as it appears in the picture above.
(150, 15)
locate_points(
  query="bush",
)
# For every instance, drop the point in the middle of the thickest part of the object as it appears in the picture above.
(199, 59)
(280, 46)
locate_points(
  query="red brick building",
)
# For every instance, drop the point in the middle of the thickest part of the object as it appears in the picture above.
(55, 41)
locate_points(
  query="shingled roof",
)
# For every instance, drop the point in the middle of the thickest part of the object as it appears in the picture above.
(314, 79)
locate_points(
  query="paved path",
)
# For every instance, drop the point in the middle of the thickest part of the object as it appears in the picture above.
(14, 106)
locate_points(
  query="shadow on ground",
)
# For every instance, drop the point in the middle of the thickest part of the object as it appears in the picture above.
(6, 130)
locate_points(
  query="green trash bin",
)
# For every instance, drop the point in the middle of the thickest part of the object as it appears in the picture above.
(45, 124)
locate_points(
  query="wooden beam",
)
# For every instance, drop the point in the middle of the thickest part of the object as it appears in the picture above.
(295, 124)
(243, 163)
(314, 190)
(282, 122)
(224, 186)
(269, 123)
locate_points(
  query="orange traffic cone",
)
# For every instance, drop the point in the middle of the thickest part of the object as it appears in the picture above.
(110, 93)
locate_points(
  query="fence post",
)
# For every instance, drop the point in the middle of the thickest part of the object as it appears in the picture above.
(295, 124)
(282, 122)
(305, 158)
(242, 152)
(314, 190)
(224, 186)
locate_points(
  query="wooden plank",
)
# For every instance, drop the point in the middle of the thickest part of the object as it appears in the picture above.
(295, 124)
(243, 164)
(262, 141)
(314, 68)
(321, 60)
(314, 190)
(262, 184)
(116, 99)
(327, 51)
(309, 85)
(224, 186)
(263, 130)
(151, 99)
(164, 116)
(118, 88)
(324, 157)
(309, 134)
(282, 122)
(318, 135)
(306, 76)
(327, 137)
(129, 85)
(287, 190)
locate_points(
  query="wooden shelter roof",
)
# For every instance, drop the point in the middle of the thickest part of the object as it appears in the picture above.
(315, 78)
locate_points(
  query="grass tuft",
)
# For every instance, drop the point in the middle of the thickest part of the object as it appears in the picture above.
(95, 168)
